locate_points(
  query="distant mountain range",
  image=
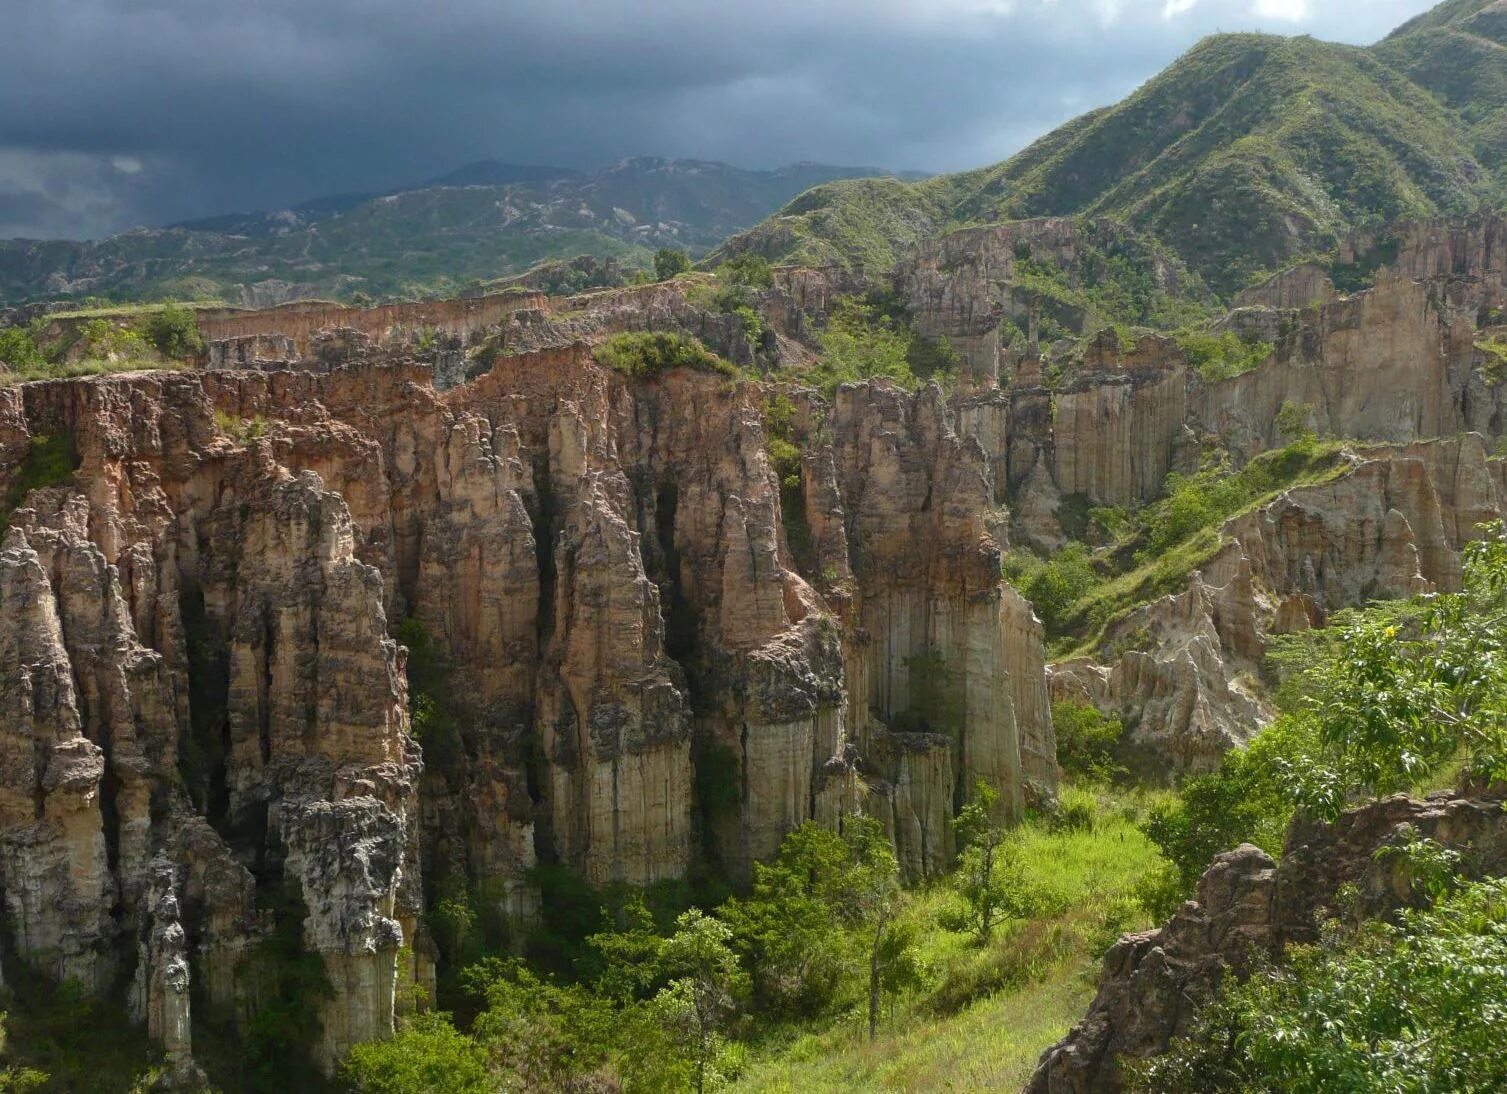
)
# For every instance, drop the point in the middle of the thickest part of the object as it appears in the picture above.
(1247, 153)
(484, 221)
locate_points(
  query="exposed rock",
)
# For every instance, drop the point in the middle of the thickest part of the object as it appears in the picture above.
(197, 633)
(1180, 671)
(1153, 984)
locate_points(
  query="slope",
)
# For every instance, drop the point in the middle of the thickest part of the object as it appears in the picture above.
(482, 222)
(1248, 151)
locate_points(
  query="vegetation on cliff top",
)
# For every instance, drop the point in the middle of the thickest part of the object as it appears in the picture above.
(649, 354)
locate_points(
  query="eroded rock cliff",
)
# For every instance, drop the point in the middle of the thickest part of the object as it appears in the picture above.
(1153, 984)
(213, 738)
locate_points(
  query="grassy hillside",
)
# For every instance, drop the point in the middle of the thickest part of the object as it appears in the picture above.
(1249, 150)
(431, 240)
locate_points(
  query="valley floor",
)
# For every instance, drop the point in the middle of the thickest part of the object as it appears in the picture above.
(986, 1013)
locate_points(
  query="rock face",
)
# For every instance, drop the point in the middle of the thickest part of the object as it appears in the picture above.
(1153, 984)
(208, 722)
(1392, 524)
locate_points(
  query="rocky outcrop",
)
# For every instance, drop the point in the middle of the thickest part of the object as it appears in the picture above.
(1182, 671)
(973, 287)
(1153, 984)
(216, 737)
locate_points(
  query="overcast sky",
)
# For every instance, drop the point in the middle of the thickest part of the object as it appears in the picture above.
(115, 113)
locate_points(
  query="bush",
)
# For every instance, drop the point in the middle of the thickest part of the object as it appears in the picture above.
(1087, 740)
(1417, 1006)
(747, 269)
(1222, 356)
(428, 1055)
(19, 351)
(649, 354)
(1053, 585)
(173, 331)
(670, 263)
(1245, 801)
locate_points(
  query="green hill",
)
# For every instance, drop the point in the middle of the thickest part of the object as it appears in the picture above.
(1248, 151)
(481, 223)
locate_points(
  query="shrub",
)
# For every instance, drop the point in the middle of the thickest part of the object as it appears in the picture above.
(1245, 801)
(1222, 356)
(50, 461)
(649, 354)
(1087, 740)
(173, 331)
(426, 1056)
(747, 269)
(19, 351)
(669, 263)
(1417, 1006)
(1053, 585)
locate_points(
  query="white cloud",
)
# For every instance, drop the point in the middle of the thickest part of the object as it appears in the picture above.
(1177, 7)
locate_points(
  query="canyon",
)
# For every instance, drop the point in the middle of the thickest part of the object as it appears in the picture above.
(660, 652)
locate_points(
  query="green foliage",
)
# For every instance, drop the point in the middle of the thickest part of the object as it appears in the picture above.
(428, 1055)
(64, 1037)
(287, 987)
(788, 929)
(1493, 367)
(172, 330)
(1421, 1005)
(112, 340)
(750, 270)
(706, 982)
(242, 429)
(670, 263)
(1088, 741)
(435, 717)
(1055, 585)
(19, 351)
(1295, 423)
(988, 877)
(647, 355)
(1400, 703)
(1222, 356)
(50, 461)
(860, 344)
(1245, 801)
(538, 1034)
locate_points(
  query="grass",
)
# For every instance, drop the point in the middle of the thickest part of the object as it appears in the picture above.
(105, 311)
(646, 355)
(95, 366)
(1157, 547)
(985, 1013)
(991, 1046)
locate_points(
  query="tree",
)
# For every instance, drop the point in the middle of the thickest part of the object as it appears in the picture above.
(788, 929)
(1403, 699)
(669, 263)
(870, 898)
(538, 1034)
(986, 876)
(173, 331)
(428, 1055)
(1413, 1006)
(705, 986)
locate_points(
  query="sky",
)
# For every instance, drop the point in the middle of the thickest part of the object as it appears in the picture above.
(121, 113)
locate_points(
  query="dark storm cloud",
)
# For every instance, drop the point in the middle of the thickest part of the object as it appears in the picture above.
(118, 112)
